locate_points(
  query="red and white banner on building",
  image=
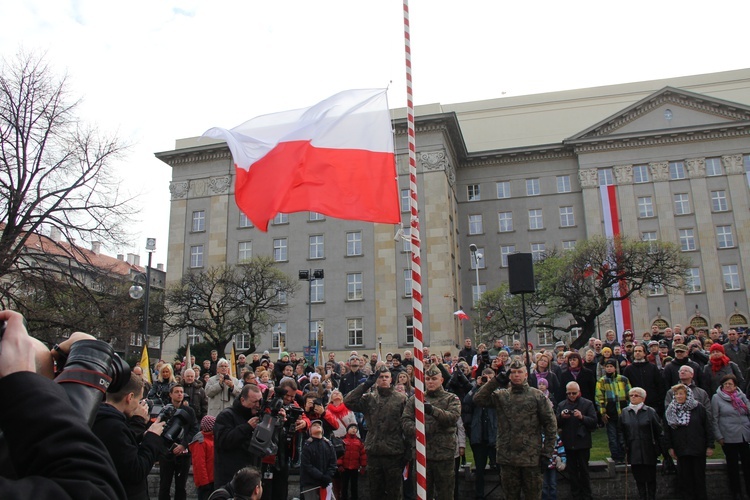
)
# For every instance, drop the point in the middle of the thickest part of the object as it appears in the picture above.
(611, 230)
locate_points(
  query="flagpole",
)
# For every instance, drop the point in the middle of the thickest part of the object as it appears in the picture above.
(416, 277)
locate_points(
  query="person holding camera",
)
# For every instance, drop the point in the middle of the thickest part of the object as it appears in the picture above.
(481, 428)
(176, 463)
(133, 460)
(50, 454)
(221, 389)
(577, 419)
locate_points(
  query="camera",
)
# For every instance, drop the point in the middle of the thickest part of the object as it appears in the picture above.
(485, 379)
(485, 357)
(176, 420)
(565, 412)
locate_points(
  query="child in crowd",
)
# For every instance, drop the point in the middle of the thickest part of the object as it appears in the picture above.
(351, 463)
(202, 453)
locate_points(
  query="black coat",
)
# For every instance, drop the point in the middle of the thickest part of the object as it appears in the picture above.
(318, 463)
(350, 381)
(576, 433)
(232, 435)
(586, 381)
(54, 452)
(642, 433)
(647, 376)
(693, 439)
(132, 460)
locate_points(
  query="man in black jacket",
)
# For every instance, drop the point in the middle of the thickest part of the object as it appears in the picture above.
(647, 376)
(132, 460)
(176, 463)
(576, 417)
(318, 463)
(53, 452)
(351, 379)
(195, 395)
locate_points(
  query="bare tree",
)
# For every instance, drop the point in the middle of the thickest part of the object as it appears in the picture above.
(224, 301)
(55, 176)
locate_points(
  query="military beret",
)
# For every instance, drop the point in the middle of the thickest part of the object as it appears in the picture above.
(433, 371)
(516, 365)
(382, 369)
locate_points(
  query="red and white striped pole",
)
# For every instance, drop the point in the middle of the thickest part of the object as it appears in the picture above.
(416, 273)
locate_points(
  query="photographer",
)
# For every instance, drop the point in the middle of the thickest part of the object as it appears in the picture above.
(221, 389)
(53, 453)
(132, 460)
(176, 464)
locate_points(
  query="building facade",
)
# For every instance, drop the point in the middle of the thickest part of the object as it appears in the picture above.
(516, 174)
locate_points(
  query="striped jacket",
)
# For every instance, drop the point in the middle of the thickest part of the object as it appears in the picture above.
(612, 394)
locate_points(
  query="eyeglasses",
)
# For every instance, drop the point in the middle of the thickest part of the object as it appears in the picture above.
(635, 396)
(571, 393)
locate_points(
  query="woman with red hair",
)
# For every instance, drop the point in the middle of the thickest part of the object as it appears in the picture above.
(719, 365)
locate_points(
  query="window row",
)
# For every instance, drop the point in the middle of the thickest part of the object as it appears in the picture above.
(681, 204)
(535, 220)
(677, 171)
(687, 238)
(502, 190)
(694, 283)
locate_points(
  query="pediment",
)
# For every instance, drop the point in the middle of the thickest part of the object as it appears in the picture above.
(670, 110)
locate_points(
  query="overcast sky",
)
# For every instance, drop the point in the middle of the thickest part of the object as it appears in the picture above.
(154, 71)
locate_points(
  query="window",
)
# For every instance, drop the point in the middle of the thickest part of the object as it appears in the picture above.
(410, 329)
(532, 187)
(136, 339)
(535, 219)
(354, 326)
(746, 161)
(713, 167)
(681, 204)
(281, 218)
(537, 251)
(316, 329)
(480, 251)
(640, 174)
(317, 290)
(719, 201)
(505, 222)
(569, 245)
(278, 332)
(545, 336)
(566, 217)
(245, 251)
(477, 292)
(694, 280)
(279, 250)
(315, 216)
(475, 224)
(245, 221)
(503, 190)
(405, 200)
(563, 184)
(606, 178)
(650, 238)
(280, 294)
(242, 341)
(193, 336)
(317, 247)
(687, 240)
(473, 192)
(354, 286)
(656, 289)
(406, 240)
(645, 206)
(506, 250)
(724, 236)
(407, 283)
(354, 243)
(196, 256)
(575, 333)
(731, 277)
(199, 221)
(676, 170)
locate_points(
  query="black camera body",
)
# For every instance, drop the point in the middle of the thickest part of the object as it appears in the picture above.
(176, 420)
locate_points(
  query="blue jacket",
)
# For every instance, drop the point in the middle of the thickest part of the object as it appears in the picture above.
(482, 421)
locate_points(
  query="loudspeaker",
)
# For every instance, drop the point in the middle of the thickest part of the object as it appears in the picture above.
(520, 273)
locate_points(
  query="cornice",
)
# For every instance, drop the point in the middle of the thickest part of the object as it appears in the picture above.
(662, 139)
(195, 155)
(492, 158)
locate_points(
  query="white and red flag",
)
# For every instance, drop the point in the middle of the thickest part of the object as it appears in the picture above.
(335, 158)
(460, 314)
(611, 231)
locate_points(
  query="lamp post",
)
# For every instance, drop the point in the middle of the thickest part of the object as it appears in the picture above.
(309, 275)
(477, 256)
(136, 291)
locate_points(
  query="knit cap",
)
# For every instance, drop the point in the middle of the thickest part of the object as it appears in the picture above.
(207, 423)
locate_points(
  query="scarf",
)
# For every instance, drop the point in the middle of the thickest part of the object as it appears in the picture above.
(636, 408)
(737, 403)
(678, 414)
(575, 372)
(718, 363)
(338, 411)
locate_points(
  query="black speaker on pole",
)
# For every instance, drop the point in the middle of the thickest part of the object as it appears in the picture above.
(520, 273)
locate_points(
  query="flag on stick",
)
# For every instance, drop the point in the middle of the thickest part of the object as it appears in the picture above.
(460, 314)
(144, 364)
(233, 362)
(188, 362)
(335, 158)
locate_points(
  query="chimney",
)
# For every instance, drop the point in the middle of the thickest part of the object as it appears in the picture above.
(131, 258)
(54, 234)
(96, 247)
(160, 267)
(120, 256)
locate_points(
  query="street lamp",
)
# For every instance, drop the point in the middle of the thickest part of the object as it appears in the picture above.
(477, 256)
(137, 291)
(309, 275)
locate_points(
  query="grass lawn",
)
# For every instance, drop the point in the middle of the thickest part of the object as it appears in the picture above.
(600, 448)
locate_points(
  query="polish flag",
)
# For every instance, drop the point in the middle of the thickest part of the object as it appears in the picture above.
(460, 314)
(335, 158)
(611, 230)
(327, 493)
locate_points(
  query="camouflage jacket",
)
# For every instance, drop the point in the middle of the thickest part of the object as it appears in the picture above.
(382, 409)
(440, 427)
(524, 416)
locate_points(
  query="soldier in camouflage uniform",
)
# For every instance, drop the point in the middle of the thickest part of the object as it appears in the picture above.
(442, 410)
(524, 417)
(385, 445)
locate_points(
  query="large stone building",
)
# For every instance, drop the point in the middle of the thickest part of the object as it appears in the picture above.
(515, 174)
